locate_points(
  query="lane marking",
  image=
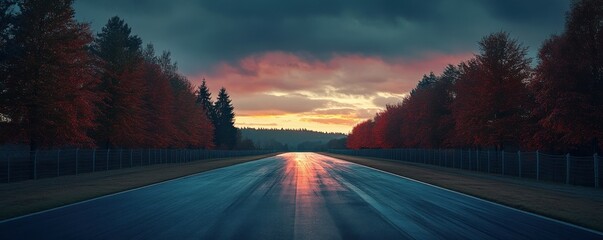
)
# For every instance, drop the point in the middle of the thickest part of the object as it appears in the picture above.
(122, 192)
(474, 197)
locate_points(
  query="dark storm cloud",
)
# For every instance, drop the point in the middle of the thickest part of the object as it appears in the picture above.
(202, 33)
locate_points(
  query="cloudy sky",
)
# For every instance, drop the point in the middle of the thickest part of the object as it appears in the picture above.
(320, 64)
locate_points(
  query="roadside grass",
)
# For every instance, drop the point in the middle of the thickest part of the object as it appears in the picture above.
(31, 196)
(579, 205)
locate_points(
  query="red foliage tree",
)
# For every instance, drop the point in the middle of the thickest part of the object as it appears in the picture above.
(159, 100)
(416, 125)
(122, 122)
(491, 94)
(568, 84)
(49, 79)
(387, 127)
(362, 136)
(192, 127)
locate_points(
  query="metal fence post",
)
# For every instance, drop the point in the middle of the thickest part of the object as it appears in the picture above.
(567, 168)
(477, 159)
(8, 168)
(76, 159)
(470, 162)
(461, 158)
(596, 168)
(107, 165)
(121, 151)
(503, 162)
(488, 159)
(58, 161)
(424, 156)
(519, 162)
(93, 160)
(537, 165)
(36, 164)
(453, 158)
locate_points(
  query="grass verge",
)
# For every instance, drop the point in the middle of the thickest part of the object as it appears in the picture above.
(582, 206)
(31, 196)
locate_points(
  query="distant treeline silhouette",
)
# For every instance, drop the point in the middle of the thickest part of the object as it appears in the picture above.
(62, 87)
(497, 100)
(292, 139)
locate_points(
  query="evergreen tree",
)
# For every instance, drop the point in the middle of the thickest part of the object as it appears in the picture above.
(122, 121)
(48, 75)
(7, 47)
(204, 100)
(226, 133)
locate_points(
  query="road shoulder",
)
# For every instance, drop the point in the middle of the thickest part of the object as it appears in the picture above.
(574, 204)
(20, 198)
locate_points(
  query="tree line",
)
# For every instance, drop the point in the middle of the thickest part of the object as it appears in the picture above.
(497, 100)
(60, 86)
(287, 139)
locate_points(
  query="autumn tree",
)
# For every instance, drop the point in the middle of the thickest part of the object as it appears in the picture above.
(159, 102)
(568, 84)
(48, 77)
(122, 120)
(193, 129)
(442, 97)
(388, 124)
(416, 115)
(226, 133)
(429, 119)
(491, 94)
(362, 136)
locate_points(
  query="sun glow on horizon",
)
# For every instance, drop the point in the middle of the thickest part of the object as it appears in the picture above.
(285, 90)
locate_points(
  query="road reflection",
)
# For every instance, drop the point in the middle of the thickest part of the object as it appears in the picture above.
(312, 180)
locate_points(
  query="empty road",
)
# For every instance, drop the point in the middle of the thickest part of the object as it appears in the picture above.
(290, 196)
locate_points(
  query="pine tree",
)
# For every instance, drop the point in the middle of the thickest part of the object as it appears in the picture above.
(48, 77)
(7, 48)
(204, 100)
(122, 122)
(226, 133)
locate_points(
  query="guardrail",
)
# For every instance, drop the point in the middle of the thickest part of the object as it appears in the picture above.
(584, 171)
(23, 165)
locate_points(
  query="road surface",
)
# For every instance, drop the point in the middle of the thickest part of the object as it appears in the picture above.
(290, 196)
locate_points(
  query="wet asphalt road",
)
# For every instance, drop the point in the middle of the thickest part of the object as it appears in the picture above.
(290, 196)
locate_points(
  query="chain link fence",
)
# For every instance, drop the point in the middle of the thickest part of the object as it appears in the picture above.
(566, 169)
(23, 165)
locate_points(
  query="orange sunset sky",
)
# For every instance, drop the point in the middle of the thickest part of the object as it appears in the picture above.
(278, 89)
(321, 65)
